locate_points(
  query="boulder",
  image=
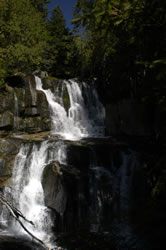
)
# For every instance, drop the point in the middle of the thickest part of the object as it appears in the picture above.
(54, 189)
(40, 73)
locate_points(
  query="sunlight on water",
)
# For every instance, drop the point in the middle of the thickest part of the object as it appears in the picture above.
(81, 120)
(26, 190)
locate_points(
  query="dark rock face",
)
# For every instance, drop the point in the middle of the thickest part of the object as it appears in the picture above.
(54, 197)
(98, 184)
(131, 118)
(15, 243)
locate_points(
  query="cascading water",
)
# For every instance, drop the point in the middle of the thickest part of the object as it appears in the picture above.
(81, 120)
(26, 190)
(89, 117)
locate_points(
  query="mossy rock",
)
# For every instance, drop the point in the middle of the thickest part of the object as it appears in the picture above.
(8, 150)
(50, 83)
(6, 120)
(66, 100)
(31, 124)
(7, 101)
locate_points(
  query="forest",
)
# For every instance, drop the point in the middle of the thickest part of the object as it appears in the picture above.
(119, 43)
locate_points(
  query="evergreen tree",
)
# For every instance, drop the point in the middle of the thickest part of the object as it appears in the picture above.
(61, 50)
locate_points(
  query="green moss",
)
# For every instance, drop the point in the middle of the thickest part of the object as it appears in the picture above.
(66, 100)
(50, 78)
(21, 74)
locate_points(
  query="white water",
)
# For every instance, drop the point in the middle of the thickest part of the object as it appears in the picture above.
(89, 116)
(81, 120)
(26, 190)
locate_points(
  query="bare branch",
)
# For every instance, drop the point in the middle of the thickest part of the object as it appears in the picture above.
(17, 214)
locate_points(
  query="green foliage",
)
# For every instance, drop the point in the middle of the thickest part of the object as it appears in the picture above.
(23, 36)
(40, 6)
(123, 38)
(28, 41)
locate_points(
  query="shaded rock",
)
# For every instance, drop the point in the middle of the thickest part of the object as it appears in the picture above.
(40, 73)
(131, 118)
(8, 150)
(78, 156)
(49, 83)
(31, 124)
(6, 120)
(7, 101)
(16, 81)
(42, 104)
(54, 189)
(30, 91)
(16, 243)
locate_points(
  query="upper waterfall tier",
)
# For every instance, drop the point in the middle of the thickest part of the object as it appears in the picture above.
(84, 116)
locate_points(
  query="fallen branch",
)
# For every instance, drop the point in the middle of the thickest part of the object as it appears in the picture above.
(17, 214)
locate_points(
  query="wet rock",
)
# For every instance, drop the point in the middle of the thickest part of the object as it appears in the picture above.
(51, 83)
(56, 197)
(40, 73)
(16, 243)
(8, 150)
(87, 240)
(78, 156)
(42, 104)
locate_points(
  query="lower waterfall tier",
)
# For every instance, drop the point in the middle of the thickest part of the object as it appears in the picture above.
(80, 195)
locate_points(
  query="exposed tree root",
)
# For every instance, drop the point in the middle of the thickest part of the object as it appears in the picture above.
(17, 214)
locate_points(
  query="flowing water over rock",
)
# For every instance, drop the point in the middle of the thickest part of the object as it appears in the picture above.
(26, 190)
(81, 120)
(75, 184)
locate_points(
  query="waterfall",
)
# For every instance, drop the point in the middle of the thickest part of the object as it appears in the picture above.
(26, 190)
(65, 186)
(88, 117)
(81, 120)
(100, 187)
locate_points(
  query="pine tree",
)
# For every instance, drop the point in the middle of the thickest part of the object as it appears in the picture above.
(60, 50)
